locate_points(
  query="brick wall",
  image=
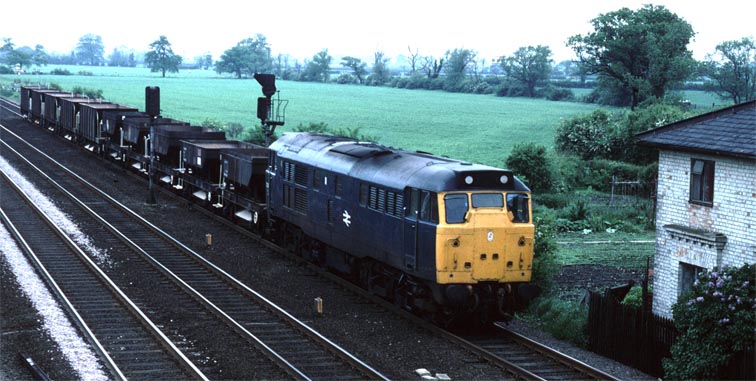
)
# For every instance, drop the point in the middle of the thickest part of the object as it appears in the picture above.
(733, 215)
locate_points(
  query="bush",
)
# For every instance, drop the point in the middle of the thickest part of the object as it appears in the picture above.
(6, 70)
(346, 79)
(554, 200)
(556, 94)
(634, 297)
(715, 320)
(531, 161)
(511, 89)
(625, 145)
(600, 172)
(585, 135)
(92, 93)
(59, 71)
(563, 319)
(544, 250)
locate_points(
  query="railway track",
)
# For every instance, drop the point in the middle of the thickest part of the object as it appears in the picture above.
(206, 297)
(531, 359)
(127, 342)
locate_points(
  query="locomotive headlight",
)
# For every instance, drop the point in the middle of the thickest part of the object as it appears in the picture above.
(468, 180)
(504, 179)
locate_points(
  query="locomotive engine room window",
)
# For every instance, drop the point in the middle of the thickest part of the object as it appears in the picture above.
(456, 208)
(517, 205)
(702, 182)
(487, 200)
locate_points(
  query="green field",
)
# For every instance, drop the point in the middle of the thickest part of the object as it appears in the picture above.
(477, 128)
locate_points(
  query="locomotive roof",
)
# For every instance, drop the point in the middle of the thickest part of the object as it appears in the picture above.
(391, 167)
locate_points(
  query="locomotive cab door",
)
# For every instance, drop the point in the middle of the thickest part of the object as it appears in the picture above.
(420, 218)
(411, 222)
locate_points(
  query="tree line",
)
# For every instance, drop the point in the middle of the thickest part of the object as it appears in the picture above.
(633, 57)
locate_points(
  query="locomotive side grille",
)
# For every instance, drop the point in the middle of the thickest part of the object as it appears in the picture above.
(300, 201)
(288, 171)
(381, 199)
(300, 175)
(373, 203)
(330, 211)
(399, 206)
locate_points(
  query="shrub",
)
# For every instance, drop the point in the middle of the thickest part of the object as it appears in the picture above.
(544, 250)
(565, 320)
(554, 200)
(511, 89)
(715, 320)
(346, 79)
(556, 94)
(92, 93)
(586, 135)
(531, 161)
(625, 145)
(634, 297)
(59, 71)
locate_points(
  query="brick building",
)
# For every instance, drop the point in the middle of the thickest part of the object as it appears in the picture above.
(706, 198)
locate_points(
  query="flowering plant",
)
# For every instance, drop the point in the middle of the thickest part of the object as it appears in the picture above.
(715, 320)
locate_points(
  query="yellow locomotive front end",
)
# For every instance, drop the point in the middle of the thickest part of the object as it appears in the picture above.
(484, 237)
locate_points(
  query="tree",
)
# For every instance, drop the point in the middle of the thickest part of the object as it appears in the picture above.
(432, 66)
(356, 65)
(381, 73)
(644, 51)
(249, 56)
(281, 66)
(456, 68)
(21, 57)
(90, 50)
(318, 70)
(207, 61)
(529, 66)
(8, 45)
(119, 58)
(733, 70)
(39, 57)
(161, 58)
(414, 59)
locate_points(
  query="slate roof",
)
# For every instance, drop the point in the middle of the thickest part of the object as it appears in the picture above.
(728, 132)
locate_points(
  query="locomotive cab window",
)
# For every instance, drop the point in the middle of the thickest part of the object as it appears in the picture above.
(487, 200)
(518, 207)
(456, 208)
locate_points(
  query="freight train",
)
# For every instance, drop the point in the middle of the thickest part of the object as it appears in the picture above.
(449, 240)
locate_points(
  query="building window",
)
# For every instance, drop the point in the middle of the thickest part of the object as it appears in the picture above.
(702, 182)
(688, 275)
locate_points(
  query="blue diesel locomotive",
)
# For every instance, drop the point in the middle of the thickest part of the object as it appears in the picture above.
(438, 236)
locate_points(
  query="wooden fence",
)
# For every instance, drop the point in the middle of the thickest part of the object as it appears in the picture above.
(641, 340)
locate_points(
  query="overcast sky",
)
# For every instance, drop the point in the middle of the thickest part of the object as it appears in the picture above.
(302, 28)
